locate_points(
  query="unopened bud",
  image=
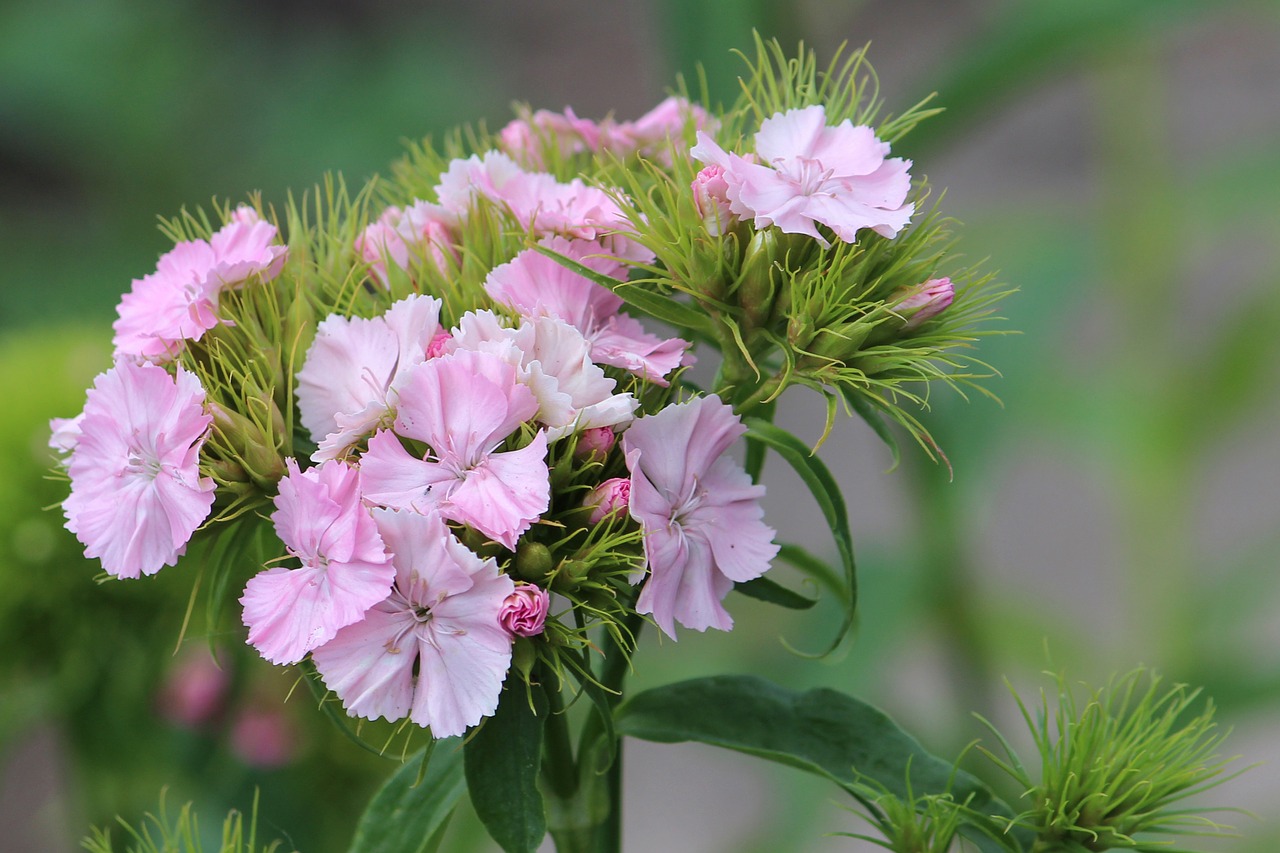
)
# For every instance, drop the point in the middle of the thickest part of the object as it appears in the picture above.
(524, 612)
(439, 344)
(755, 286)
(597, 441)
(609, 497)
(533, 560)
(923, 302)
(711, 198)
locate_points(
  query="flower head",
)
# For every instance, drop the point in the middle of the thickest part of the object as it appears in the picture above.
(434, 650)
(810, 174)
(136, 490)
(699, 510)
(345, 567)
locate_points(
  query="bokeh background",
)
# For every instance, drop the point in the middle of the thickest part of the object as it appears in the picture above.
(1117, 160)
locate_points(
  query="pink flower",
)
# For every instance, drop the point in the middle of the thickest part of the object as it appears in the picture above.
(349, 384)
(136, 490)
(434, 650)
(652, 133)
(812, 174)
(526, 137)
(524, 612)
(463, 406)
(536, 285)
(64, 435)
(263, 737)
(179, 301)
(595, 442)
(699, 510)
(924, 301)
(607, 498)
(423, 230)
(711, 198)
(194, 691)
(345, 568)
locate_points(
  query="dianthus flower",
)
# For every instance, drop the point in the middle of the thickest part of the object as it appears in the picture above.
(350, 381)
(536, 285)
(422, 230)
(345, 567)
(434, 649)
(179, 301)
(136, 490)
(699, 510)
(463, 406)
(810, 174)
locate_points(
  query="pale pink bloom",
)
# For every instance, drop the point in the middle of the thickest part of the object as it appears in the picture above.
(64, 435)
(136, 490)
(607, 498)
(463, 406)
(476, 176)
(264, 736)
(924, 301)
(246, 249)
(350, 382)
(811, 174)
(651, 134)
(524, 612)
(423, 230)
(194, 690)
(554, 361)
(179, 301)
(525, 137)
(434, 650)
(345, 568)
(597, 441)
(711, 198)
(245, 215)
(380, 241)
(699, 510)
(535, 285)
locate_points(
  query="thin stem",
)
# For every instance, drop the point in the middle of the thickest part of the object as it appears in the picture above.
(558, 764)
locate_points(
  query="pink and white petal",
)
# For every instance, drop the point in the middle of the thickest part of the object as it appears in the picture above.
(286, 613)
(348, 368)
(503, 495)
(623, 342)
(430, 562)
(847, 150)
(368, 670)
(459, 681)
(794, 133)
(390, 476)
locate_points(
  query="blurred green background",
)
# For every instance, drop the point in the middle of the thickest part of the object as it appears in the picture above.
(1117, 160)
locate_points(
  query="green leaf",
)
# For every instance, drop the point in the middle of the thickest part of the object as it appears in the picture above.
(656, 305)
(502, 761)
(820, 731)
(827, 493)
(774, 593)
(408, 815)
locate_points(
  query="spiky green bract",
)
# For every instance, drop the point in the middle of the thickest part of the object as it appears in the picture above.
(911, 824)
(786, 311)
(1116, 767)
(159, 834)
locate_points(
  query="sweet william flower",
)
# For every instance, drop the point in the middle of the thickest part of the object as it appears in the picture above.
(136, 490)
(597, 441)
(345, 567)
(810, 174)
(524, 612)
(434, 650)
(923, 302)
(463, 406)
(700, 512)
(711, 198)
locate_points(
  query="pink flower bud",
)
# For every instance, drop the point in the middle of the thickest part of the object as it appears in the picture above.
(439, 344)
(924, 301)
(595, 441)
(711, 198)
(194, 691)
(524, 612)
(263, 737)
(607, 498)
(245, 215)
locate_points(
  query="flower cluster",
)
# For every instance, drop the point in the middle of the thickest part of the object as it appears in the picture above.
(472, 450)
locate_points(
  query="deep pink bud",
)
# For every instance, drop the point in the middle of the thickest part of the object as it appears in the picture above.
(711, 198)
(595, 441)
(607, 498)
(263, 737)
(924, 301)
(439, 344)
(524, 612)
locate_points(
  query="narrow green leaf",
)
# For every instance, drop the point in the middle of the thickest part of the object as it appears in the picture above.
(656, 305)
(820, 731)
(827, 493)
(774, 593)
(502, 761)
(408, 815)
